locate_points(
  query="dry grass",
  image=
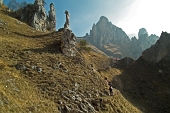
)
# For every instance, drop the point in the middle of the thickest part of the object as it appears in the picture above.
(25, 91)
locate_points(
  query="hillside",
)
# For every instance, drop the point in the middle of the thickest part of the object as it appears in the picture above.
(145, 82)
(37, 78)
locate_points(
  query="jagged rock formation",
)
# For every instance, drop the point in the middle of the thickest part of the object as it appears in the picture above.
(114, 41)
(35, 15)
(136, 46)
(67, 23)
(142, 31)
(52, 18)
(68, 43)
(39, 17)
(68, 39)
(104, 32)
(159, 50)
(1, 2)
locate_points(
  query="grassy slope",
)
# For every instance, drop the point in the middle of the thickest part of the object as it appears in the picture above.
(24, 91)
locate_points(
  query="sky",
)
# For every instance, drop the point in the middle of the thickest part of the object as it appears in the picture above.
(130, 15)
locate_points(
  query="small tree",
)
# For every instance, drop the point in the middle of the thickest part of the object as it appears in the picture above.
(83, 45)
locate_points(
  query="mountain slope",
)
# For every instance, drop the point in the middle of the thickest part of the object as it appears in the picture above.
(146, 82)
(36, 77)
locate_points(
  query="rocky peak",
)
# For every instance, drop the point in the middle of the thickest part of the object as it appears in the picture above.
(133, 39)
(158, 51)
(103, 19)
(104, 32)
(142, 31)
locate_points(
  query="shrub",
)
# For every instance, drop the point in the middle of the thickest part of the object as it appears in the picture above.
(83, 45)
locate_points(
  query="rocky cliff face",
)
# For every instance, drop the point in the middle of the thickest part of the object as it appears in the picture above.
(158, 51)
(136, 46)
(35, 15)
(114, 41)
(104, 32)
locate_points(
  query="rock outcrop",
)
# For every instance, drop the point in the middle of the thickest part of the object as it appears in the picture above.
(158, 51)
(67, 23)
(52, 18)
(1, 2)
(68, 43)
(35, 15)
(39, 21)
(68, 39)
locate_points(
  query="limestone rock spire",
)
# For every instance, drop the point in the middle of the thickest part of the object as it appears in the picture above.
(52, 18)
(1, 2)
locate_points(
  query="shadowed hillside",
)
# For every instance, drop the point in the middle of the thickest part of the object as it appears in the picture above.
(146, 85)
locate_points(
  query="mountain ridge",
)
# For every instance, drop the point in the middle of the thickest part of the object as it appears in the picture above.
(114, 41)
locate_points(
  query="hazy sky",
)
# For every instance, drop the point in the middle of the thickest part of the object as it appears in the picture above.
(130, 15)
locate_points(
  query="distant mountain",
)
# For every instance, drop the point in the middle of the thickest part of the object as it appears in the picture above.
(104, 32)
(114, 41)
(136, 46)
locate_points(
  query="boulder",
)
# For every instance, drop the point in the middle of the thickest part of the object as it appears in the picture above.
(159, 50)
(68, 43)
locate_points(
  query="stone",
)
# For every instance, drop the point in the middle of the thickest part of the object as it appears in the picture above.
(159, 50)
(68, 43)
(21, 66)
(39, 69)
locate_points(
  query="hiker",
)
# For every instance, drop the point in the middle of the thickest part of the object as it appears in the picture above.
(110, 89)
